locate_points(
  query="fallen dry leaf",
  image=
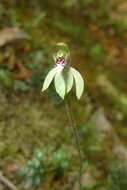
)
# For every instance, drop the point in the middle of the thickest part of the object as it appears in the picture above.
(8, 35)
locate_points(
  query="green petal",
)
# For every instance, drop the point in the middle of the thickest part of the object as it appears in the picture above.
(49, 78)
(79, 82)
(60, 85)
(69, 82)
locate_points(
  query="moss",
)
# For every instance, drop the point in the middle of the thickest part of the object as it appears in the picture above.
(117, 177)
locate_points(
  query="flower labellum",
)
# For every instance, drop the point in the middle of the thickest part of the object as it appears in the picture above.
(60, 61)
(64, 75)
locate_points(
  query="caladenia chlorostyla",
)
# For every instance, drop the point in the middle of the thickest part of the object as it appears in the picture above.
(64, 77)
(63, 74)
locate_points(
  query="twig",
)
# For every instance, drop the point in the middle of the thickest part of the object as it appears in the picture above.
(73, 125)
(5, 181)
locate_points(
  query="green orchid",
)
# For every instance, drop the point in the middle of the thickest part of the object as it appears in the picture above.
(63, 75)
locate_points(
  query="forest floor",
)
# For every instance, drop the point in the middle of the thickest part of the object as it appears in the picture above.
(30, 120)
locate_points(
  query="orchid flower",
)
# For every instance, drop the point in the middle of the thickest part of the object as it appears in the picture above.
(63, 75)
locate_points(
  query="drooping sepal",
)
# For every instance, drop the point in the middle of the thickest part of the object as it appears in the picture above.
(49, 78)
(60, 85)
(69, 80)
(79, 82)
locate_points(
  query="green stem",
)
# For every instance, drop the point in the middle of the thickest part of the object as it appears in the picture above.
(73, 125)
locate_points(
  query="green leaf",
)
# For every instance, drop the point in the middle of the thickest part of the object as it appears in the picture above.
(60, 85)
(69, 81)
(49, 78)
(79, 82)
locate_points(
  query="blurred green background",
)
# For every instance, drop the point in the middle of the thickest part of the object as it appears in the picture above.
(37, 150)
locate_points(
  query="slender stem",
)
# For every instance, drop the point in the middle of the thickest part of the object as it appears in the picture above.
(73, 125)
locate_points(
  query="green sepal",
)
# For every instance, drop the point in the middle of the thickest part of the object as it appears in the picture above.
(68, 78)
(49, 78)
(79, 82)
(60, 85)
